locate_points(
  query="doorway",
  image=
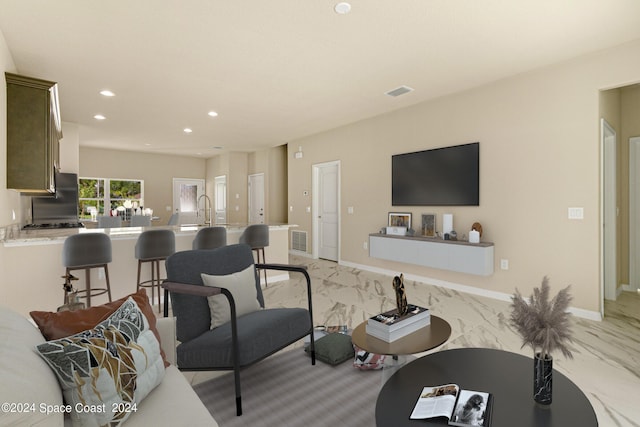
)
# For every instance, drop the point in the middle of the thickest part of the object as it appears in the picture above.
(634, 212)
(185, 199)
(609, 212)
(326, 210)
(220, 197)
(256, 198)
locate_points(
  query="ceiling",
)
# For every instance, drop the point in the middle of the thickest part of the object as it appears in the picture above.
(279, 70)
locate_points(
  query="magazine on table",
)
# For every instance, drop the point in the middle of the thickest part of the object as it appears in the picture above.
(391, 320)
(460, 407)
(390, 336)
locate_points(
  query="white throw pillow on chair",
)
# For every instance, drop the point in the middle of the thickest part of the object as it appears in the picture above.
(242, 286)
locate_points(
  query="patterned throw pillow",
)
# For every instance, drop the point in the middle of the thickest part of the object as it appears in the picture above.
(366, 361)
(60, 324)
(106, 371)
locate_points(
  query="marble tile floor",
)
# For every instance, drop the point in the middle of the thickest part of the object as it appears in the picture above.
(606, 363)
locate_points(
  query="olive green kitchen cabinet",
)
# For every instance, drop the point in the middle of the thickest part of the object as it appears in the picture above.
(34, 130)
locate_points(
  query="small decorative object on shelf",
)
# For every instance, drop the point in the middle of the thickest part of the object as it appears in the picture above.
(401, 295)
(476, 233)
(429, 225)
(477, 227)
(545, 326)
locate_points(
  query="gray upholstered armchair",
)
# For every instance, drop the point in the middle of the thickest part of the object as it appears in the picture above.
(245, 339)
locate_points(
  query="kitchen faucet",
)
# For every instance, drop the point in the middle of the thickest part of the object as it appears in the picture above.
(208, 207)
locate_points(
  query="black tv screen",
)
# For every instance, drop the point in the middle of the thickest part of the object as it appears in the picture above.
(448, 176)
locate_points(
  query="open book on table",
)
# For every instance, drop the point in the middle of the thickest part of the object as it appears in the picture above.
(460, 407)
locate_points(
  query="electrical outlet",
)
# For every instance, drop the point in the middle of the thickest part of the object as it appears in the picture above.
(504, 264)
(101, 275)
(365, 245)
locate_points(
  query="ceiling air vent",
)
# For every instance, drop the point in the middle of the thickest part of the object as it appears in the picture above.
(399, 91)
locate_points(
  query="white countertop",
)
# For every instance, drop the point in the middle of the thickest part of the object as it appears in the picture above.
(57, 235)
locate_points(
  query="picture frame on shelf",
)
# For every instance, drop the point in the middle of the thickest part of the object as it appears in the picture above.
(400, 219)
(429, 225)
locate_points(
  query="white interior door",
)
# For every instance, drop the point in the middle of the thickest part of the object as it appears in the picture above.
(326, 210)
(220, 195)
(634, 212)
(185, 199)
(256, 198)
(610, 212)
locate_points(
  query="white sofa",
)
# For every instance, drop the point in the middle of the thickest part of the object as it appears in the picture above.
(29, 386)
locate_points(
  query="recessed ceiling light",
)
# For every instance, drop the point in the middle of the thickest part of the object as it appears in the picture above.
(187, 130)
(342, 8)
(107, 93)
(213, 114)
(99, 117)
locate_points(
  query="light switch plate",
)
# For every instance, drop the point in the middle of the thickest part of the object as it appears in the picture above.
(576, 213)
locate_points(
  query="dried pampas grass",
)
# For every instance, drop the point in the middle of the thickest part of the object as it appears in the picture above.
(544, 325)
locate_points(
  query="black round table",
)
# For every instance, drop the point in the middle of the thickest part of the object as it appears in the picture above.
(507, 376)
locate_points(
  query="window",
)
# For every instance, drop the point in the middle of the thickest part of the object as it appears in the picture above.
(97, 193)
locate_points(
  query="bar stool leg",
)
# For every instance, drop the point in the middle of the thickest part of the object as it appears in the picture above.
(153, 282)
(87, 273)
(264, 261)
(258, 251)
(157, 283)
(106, 276)
(138, 280)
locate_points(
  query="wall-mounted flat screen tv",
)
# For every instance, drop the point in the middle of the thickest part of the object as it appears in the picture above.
(448, 176)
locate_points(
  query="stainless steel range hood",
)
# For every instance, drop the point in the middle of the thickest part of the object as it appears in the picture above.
(62, 207)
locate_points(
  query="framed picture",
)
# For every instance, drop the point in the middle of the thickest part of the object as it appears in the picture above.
(400, 219)
(429, 225)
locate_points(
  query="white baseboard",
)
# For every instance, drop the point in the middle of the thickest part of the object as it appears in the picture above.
(300, 253)
(626, 288)
(274, 279)
(586, 314)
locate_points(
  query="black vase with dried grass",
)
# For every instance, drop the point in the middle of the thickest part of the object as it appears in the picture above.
(544, 326)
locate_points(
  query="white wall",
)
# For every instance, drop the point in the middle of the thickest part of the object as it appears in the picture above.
(539, 155)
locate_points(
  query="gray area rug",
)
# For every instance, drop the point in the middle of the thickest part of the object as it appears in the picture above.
(285, 390)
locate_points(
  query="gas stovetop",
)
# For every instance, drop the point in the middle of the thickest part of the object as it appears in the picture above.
(53, 225)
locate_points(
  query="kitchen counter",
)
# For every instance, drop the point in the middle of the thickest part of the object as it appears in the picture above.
(31, 262)
(58, 235)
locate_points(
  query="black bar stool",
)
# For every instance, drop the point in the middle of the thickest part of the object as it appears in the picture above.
(85, 251)
(257, 236)
(210, 238)
(154, 246)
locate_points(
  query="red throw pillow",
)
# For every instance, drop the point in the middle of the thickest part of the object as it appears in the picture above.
(56, 325)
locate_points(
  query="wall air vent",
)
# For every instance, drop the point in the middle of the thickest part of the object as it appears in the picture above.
(299, 240)
(399, 91)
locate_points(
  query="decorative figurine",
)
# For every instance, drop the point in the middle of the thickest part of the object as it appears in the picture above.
(71, 301)
(401, 296)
